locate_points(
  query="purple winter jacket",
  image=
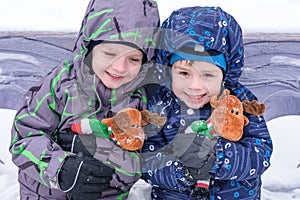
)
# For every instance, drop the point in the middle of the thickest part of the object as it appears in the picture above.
(71, 91)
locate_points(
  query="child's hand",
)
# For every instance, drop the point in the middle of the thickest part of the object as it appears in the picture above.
(196, 152)
(84, 177)
(79, 144)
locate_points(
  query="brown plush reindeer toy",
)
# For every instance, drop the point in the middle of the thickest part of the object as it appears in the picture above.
(125, 127)
(227, 120)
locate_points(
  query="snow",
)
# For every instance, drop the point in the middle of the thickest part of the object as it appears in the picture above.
(280, 181)
(65, 15)
(285, 60)
(9, 189)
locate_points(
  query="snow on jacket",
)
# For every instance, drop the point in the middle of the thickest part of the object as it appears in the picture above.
(72, 91)
(237, 171)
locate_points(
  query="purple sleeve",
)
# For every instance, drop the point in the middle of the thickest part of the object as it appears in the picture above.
(32, 146)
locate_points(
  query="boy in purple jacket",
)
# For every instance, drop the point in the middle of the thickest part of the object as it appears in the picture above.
(110, 59)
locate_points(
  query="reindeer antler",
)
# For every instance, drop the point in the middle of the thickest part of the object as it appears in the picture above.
(152, 118)
(146, 119)
(254, 107)
(157, 120)
(225, 93)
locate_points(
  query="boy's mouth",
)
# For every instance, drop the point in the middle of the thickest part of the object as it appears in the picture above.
(114, 76)
(192, 96)
(197, 96)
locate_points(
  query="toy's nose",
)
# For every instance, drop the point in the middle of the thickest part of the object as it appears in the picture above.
(133, 143)
(137, 133)
(133, 138)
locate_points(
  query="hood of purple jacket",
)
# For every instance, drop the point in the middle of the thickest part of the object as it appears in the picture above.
(111, 21)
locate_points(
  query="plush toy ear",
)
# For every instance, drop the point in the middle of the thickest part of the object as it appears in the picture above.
(246, 120)
(254, 107)
(107, 121)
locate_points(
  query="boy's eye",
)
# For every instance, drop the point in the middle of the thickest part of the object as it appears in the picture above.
(136, 59)
(184, 73)
(208, 75)
(108, 53)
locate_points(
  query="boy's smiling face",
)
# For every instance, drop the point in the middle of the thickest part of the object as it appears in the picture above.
(116, 64)
(194, 82)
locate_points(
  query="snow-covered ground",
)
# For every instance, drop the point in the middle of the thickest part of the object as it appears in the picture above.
(8, 171)
(280, 182)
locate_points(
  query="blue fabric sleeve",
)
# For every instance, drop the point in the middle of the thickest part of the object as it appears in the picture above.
(163, 170)
(247, 158)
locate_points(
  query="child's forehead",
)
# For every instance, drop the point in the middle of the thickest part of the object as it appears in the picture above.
(116, 47)
(196, 65)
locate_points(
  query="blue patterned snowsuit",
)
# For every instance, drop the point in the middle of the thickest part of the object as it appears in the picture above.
(237, 171)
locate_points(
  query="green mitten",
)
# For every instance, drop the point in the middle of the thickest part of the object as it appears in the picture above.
(205, 128)
(91, 126)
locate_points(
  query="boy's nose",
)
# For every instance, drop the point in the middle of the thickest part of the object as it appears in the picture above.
(196, 83)
(120, 64)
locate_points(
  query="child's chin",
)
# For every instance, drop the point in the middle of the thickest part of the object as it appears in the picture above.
(111, 85)
(194, 105)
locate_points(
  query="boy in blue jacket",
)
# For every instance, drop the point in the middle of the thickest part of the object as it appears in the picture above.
(201, 48)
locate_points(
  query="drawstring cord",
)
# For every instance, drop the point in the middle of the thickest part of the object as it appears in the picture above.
(75, 180)
(98, 97)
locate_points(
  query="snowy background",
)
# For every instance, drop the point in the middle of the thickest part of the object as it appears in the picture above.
(280, 182)
(66, 15)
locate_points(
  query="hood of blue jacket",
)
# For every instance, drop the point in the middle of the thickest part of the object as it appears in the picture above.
(210, 27)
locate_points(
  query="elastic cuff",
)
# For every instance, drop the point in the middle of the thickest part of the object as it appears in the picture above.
(181, 176)
(54, 182)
